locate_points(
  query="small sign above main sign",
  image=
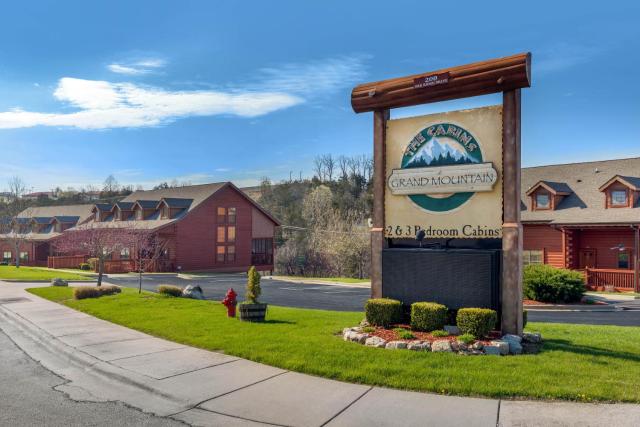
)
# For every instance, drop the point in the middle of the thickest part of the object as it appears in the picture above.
(443, 179)
(431, 80)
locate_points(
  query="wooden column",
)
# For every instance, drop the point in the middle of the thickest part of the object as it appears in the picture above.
(511, 227)
(378, 241)
(636, 253)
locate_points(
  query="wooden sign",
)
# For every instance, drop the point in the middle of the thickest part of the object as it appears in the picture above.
(444, 174)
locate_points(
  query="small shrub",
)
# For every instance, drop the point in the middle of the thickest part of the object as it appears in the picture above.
(85, 266)
(524, 318)
(170, 290)
(476, 321)
(466, 338)
(83, 292)
(93, 262)
(368, 329)
(549, 284)
(440, 333)
(253, 286)
(404, 334)
(383, 311)
(428, 316)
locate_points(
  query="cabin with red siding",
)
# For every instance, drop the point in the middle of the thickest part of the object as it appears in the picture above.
(585, 216)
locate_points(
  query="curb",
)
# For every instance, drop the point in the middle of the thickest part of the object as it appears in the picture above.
(36, 343)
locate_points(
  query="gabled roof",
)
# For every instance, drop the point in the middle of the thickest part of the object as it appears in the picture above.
(124, 206)
(173, 202)
(556, 188)
(630, 181)
(67, 219)
(585, 204)
(80, 213)
(147, 204)
(42, 219)
(103, 206)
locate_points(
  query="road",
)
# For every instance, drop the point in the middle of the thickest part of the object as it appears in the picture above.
(276, 292)
(352, 298)
(29, 398)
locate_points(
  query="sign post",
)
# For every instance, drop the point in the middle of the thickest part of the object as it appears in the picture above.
(451, 175)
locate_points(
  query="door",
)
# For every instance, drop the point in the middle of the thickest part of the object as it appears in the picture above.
(587, 258)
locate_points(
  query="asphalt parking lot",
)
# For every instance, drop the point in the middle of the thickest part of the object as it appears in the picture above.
(277, 292)
(352, 298)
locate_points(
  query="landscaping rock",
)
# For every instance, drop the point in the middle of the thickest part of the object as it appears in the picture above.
(503, 346)
(477, 346)
(194, 292)
(359, 338)
(492, 350)
(59, 282)
(532, 337)
(419, 346)
(375, 342)
(396, 345)
(460, 346)
(364, 323)
(510, 337)
(452, 329)
(441, 346)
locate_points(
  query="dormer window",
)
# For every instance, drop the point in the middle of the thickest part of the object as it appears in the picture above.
(543, 201)
(619, 198)
(139, 215)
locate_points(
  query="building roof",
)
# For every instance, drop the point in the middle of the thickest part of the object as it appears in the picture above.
(147, 204)
(585, 203)
(173, 202)
(42, 219)
(125, 206)
(44, 215)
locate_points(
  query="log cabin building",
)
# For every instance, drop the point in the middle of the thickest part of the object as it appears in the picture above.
(584, 216)
(209, 227)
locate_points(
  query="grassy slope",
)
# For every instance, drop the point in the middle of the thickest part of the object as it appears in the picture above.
(28, 274)
(577, 362)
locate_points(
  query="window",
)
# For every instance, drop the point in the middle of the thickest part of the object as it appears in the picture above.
(231, 253)
(623, 259)
(222, 215)
(125, 253)
(220, 252)
(262, 251)
(220, 233)
(543, 201)
(532, 257)
(231, 216)
(24, 256)
(139, 215)
(231, 234)
(6, 256)
(165, 212)
(619, 198)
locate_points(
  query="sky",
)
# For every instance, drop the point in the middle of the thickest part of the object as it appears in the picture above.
(206, 91)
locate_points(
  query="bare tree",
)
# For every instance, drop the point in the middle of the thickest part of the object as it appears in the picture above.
(110, 185)
(354, 166)
(14, 229)
(149, 248)
(343, 164)
(97, 241)
(318, 167)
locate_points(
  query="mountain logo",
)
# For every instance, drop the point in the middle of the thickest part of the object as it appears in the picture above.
(438, 146)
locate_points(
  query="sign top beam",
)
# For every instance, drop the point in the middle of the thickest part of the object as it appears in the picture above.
(478, 78)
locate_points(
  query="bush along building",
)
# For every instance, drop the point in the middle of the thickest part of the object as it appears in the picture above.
(585, 216)
(209, 227)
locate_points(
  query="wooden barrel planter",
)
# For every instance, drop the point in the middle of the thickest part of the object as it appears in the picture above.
(253, 312)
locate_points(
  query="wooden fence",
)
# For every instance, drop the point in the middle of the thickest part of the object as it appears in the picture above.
(609, 278)
(72, 261)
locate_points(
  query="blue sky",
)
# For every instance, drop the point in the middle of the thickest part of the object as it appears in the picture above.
(206, 91)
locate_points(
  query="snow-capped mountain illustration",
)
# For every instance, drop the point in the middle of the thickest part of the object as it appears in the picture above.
(437, 153)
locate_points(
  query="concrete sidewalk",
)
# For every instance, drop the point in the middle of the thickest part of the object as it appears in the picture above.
(106, 362)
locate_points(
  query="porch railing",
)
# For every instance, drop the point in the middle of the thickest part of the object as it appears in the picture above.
(601, 278)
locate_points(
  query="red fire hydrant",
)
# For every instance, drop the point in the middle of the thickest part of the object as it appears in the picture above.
(230, 302)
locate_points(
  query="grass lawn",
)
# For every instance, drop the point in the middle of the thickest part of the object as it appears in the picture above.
(326, 279)
(577, 362)
(30, 274)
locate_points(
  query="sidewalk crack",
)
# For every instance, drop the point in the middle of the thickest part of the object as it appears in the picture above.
(346, 407)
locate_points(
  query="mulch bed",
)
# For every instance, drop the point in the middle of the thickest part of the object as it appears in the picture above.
(391, 335)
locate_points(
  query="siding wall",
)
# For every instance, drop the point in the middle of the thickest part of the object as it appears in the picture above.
(196, 234)
(605, 239)
(547, 239)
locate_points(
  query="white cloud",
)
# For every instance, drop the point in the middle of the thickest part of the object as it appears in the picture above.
(139, 67)
(316, 77)
(104, 105)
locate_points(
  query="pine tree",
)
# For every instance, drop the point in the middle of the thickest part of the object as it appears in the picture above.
(253, 286)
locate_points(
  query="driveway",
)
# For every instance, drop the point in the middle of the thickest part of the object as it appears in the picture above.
(277, 292)
(352, 298)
